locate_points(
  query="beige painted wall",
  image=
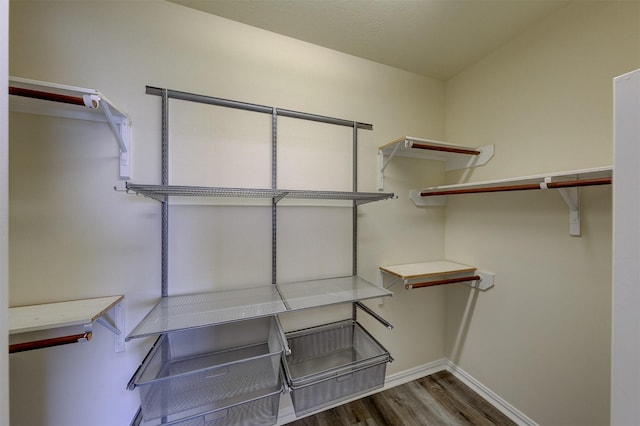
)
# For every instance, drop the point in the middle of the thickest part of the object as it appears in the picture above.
(541, 338)
(72, 236)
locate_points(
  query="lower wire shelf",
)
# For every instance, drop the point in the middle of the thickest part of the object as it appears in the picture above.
(182, 312)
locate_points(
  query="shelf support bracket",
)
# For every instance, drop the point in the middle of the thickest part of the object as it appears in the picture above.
(122, 132)
(115, 324)
(392, 283)
(571, 197)
(383, 165)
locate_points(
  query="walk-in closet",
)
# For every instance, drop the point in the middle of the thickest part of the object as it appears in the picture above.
(249, 213)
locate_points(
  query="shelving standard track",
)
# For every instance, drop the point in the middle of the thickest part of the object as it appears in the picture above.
(163, 192)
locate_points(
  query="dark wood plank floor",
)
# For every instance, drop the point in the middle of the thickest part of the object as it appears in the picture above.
(439, 399)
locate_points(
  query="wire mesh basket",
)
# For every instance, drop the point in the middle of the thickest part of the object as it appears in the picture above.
(261, 411)
(210, 368)
(332, 363)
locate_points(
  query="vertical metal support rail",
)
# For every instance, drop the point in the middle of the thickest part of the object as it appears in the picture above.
(354, 169)
(274, 202)
(165, 201)
(164, 396)
(354, 221)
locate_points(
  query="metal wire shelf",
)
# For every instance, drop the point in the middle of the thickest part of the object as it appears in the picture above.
(182, 312)
(159, 192)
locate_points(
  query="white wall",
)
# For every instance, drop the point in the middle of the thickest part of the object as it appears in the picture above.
(72, 236)
(541, 337)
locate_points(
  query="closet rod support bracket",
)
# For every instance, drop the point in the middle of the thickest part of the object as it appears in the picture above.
(115, 323)
(485, 282)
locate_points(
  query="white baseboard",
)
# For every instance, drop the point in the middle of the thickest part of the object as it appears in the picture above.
(490, 396)
(287, 414)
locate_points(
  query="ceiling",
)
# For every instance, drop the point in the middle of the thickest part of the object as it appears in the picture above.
(436, 38)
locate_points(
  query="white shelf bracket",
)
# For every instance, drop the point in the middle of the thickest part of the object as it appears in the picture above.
(115, 324)
(571, 197)
(122, 132)
(383, 165)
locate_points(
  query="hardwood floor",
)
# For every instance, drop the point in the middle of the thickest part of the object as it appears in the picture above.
(439, 399)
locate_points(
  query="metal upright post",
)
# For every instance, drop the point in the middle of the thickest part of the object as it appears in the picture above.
(355, 204)
(274, 202)
(165, 202)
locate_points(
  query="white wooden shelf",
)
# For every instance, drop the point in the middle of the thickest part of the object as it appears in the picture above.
(58, 100)
(454, 156)
(84, 312)
(437, 272)
(567, 183)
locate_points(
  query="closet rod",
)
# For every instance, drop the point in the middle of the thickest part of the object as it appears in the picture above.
(47, 96)
(47, 343)
(521, 187)
(441, 282)
(445, 149)
(210, 100)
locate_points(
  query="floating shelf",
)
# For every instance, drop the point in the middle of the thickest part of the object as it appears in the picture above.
(454, 156)
(84, 312)
(183, 312)
(567, 183)
(159, 192)
(44, 98)
(437, 272)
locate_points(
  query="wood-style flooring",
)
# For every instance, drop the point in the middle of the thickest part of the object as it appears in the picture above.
(438, 399)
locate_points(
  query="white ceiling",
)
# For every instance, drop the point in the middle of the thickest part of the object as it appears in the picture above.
(436, 38)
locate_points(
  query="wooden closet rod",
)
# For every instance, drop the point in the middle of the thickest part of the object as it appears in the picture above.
(521, 187)
(47, 343)
(445, 149)
(441, 282)
(55, 97)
